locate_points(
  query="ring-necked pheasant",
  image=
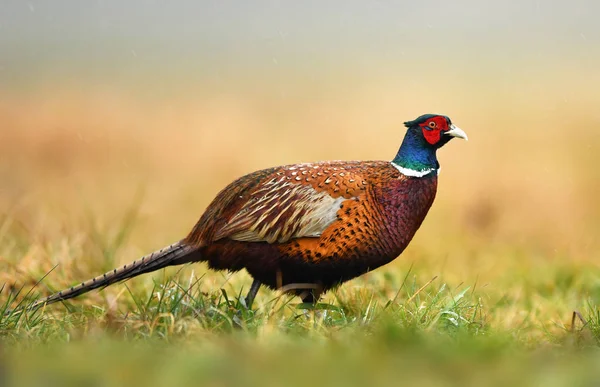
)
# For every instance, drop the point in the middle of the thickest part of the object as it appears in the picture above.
(306, 228)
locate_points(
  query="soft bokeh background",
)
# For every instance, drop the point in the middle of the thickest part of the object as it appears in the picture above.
(143, 110)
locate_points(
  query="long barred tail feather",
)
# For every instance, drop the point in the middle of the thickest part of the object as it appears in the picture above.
(177, 253)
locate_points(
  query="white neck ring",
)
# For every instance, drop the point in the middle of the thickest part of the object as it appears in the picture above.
(414, 172)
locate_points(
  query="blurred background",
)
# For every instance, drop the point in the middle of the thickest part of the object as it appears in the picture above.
(154, 106)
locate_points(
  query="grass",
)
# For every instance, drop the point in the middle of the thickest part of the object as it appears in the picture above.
(428, 333)
(185, 330)
(485, 293)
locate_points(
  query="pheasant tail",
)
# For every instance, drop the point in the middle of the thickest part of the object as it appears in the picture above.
(175, 254)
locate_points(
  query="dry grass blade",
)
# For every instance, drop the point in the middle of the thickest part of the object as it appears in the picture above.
(577, 315)
(421, 289)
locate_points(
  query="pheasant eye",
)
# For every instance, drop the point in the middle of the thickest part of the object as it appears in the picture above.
(432, 124)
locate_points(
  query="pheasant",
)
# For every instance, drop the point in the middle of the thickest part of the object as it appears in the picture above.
(306, 228)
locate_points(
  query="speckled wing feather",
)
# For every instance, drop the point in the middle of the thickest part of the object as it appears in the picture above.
(280, 204)
(280, 210)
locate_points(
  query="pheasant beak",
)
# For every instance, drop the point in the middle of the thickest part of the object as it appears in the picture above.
(455, 131)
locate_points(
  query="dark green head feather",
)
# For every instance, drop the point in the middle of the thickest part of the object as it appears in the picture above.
(423, 118)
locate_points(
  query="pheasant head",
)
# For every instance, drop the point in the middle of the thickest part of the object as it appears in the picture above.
(424, 136)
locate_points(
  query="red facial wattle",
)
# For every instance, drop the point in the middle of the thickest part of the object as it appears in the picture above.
(431, 135)
(432, 129)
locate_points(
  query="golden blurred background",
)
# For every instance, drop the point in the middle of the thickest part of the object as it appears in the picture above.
(108, 106)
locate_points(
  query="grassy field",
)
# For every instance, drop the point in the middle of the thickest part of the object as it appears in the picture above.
(485, 293)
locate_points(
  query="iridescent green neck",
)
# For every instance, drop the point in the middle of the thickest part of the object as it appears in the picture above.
(415, 156)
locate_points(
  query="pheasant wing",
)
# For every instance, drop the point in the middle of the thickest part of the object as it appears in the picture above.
(279, 204)
(280, 210)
